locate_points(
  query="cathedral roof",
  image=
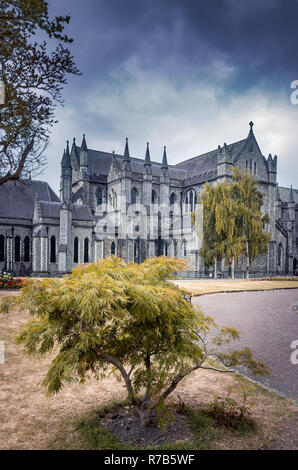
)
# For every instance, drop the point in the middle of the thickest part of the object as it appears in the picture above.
(17, 198)
(203, 166)
(51, 210)
(285, 194)
(99, 165)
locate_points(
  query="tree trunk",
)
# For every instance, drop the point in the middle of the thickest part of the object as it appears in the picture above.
(233, 267)
(147, 414)
(247, 260)
(215, 268)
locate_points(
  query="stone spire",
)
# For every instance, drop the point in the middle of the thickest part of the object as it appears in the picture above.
(84, 145)
(164, 164)
(126, 151)
(65, 162)
(66, 176)
(84, 157)
(147, 156)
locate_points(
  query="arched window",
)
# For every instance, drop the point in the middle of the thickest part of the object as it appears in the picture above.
(175, 248)
(134, 195)
(114, 200)
(27, 249)
(255, 168)
(190, 201)
(99, 197)
(86, 250)
(17, 249)
(113, 248)
(76, 250)
(171, 220)
(153, 197)
(250, 165)
(53, 249)
(184, 248)
(246, 165)
(280, 255)
(172, 199)
(165, 249)
(2, 247)
(136, 252)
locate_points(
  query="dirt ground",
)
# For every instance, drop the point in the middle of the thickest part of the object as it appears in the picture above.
(29, 420)
(210, 286)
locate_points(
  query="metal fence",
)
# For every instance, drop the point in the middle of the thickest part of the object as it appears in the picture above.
(203, 274)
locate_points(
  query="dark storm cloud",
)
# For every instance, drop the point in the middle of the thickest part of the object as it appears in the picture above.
(190, 74)
(259, 38)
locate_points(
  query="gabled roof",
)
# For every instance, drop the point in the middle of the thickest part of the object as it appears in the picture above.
(17, 198)
(285, 194)
(207, 162)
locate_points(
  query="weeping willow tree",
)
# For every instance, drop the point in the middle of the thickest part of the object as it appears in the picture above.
(126, 318)
(233, 223)
(251, 221)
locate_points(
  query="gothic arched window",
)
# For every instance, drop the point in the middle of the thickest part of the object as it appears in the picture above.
(134, 196)
(86, 250)
(136, 251)
(255, 168)
(153, 197)
(250, 165)
(280, 255)
(113, 248)
(99, 197)
(172, 199)
(76, 250)
(2, 247)
(27, 249)
(165, 250)
(53, 249)
(17, 249)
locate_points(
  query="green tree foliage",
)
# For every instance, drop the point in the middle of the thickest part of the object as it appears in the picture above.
(127, 317)
(233, 223)
(33, 73)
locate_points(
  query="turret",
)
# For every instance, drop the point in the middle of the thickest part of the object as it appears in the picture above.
(66, 176)
(84, 158)
(126, 176)
(224, 161)
(147, 178)
(164, 179)
(272, 168)
(278, 211)
(291, 205)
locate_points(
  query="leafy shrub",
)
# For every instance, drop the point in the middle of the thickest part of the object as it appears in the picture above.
(226, 411)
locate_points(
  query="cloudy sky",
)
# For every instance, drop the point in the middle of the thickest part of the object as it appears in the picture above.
(189, 74)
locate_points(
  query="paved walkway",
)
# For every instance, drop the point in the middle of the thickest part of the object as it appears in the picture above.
(269, 324)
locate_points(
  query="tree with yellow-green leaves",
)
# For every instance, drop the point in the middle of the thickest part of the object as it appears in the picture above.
(233, 223)
(126, 318)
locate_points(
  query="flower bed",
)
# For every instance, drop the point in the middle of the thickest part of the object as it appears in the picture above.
(7, 281)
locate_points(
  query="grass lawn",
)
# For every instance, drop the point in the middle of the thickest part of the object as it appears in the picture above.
(211, 286)
(69, 420)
